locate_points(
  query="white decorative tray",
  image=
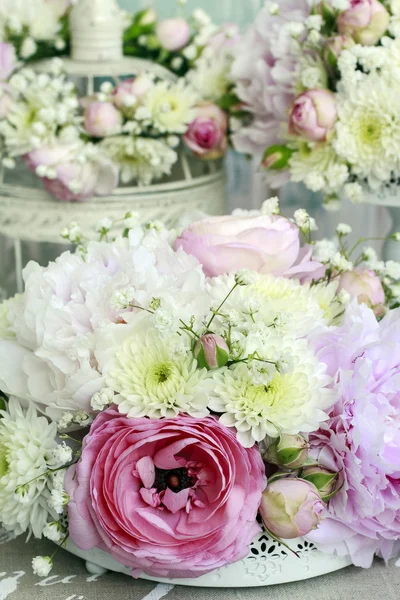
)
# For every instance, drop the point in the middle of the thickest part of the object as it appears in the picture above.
(268, 563)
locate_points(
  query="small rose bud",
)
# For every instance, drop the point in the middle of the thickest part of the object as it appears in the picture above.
(334, 47)
(323, 479)
(291, 508)
(173, 34)
(211, 351)
(102, 119)
(131, 91)
(206, 136)
(366, 21)
(289, 451)
(276, 157)
(366, 286)
(313, 115)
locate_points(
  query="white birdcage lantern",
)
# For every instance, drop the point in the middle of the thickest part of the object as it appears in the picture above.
(31, 219)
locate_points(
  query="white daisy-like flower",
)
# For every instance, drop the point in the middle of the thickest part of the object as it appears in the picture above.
(28, 449)
(313, 165)
(292, 399)
(152, 384)
(140, 159)
(171, 106)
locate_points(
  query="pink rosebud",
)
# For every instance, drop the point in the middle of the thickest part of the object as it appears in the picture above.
(173, 34)
(289, 451)
(334, 47)
(102, 119)
(206, 135)
(130, 91)
(8, 60)
(291, 508)
(211, 351)
(366, 21)
(313, 115)
(366, 286)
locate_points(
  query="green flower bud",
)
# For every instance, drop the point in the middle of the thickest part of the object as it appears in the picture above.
(289, 451)
(324, 480)
(211, 351)
(276, 157)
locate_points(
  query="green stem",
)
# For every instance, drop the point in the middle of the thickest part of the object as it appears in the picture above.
(215, 312)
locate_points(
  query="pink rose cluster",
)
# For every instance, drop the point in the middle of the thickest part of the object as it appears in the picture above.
(266, 244)
(362, 438)
(170, 497)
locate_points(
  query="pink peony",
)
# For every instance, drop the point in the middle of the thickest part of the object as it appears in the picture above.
(206, 135)
(365, 20)
(313, 115)
(366, 286)
(169, 497)
(264, 244)
(102, 119)
(74, 181)
(362, 438)
(173, 34)
(8, 60)
(264, 72)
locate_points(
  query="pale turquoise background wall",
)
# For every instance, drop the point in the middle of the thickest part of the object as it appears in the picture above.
(240, 11)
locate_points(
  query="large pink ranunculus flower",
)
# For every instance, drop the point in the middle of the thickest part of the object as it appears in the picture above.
(266, 244)
(361, 440)
(169, 497)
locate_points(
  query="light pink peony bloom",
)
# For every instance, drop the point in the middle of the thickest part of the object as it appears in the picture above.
(361, 440)
(313, 115)
(366, 286)
(131, 90)
(291, 508)
(206, 136)
(366, 21)
(264, 244)
(169, 497)
(102, 119)
(264, 72)
(95, 177)
(8, 60)
(173, 34)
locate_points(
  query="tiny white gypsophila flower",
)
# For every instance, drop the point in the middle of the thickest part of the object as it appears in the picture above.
(62, 454)
(341, 263)
(190, 52)
(324, 251)
(54, 532)
(201, 17)
(314, 22)
(272, 7)
(65, 421)
(104, 225)
(246, 277)
(304, 221)
(344, 297)
(343, 229)
(42, 565)
(177, 62)
(58, 500)
(270, 206)
(102, 399)
(122, 298)
(392, 269)
(396, 236)
(340, 4)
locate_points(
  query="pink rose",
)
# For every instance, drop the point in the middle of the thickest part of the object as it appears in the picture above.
(313, 115)
(169, 497)
(73, 181)
(102, 119)
(291, 508)
(173, 34)
(8, 60)
(206, 135)
(264, 244)
(131, 90)
(366, 21)
(366, 286)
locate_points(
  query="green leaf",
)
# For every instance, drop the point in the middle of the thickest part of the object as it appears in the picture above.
(222, 356)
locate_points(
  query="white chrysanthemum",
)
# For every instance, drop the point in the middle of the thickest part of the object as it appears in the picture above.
(292, 399)
(27, 451)
(171, 106)
(140, 159)
(211, 77)
(319, 168)
(153, 384)
(368, 128)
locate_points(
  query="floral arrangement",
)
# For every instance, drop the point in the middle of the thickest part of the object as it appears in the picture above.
(130, 130)
(163, 389)
(304, 73)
